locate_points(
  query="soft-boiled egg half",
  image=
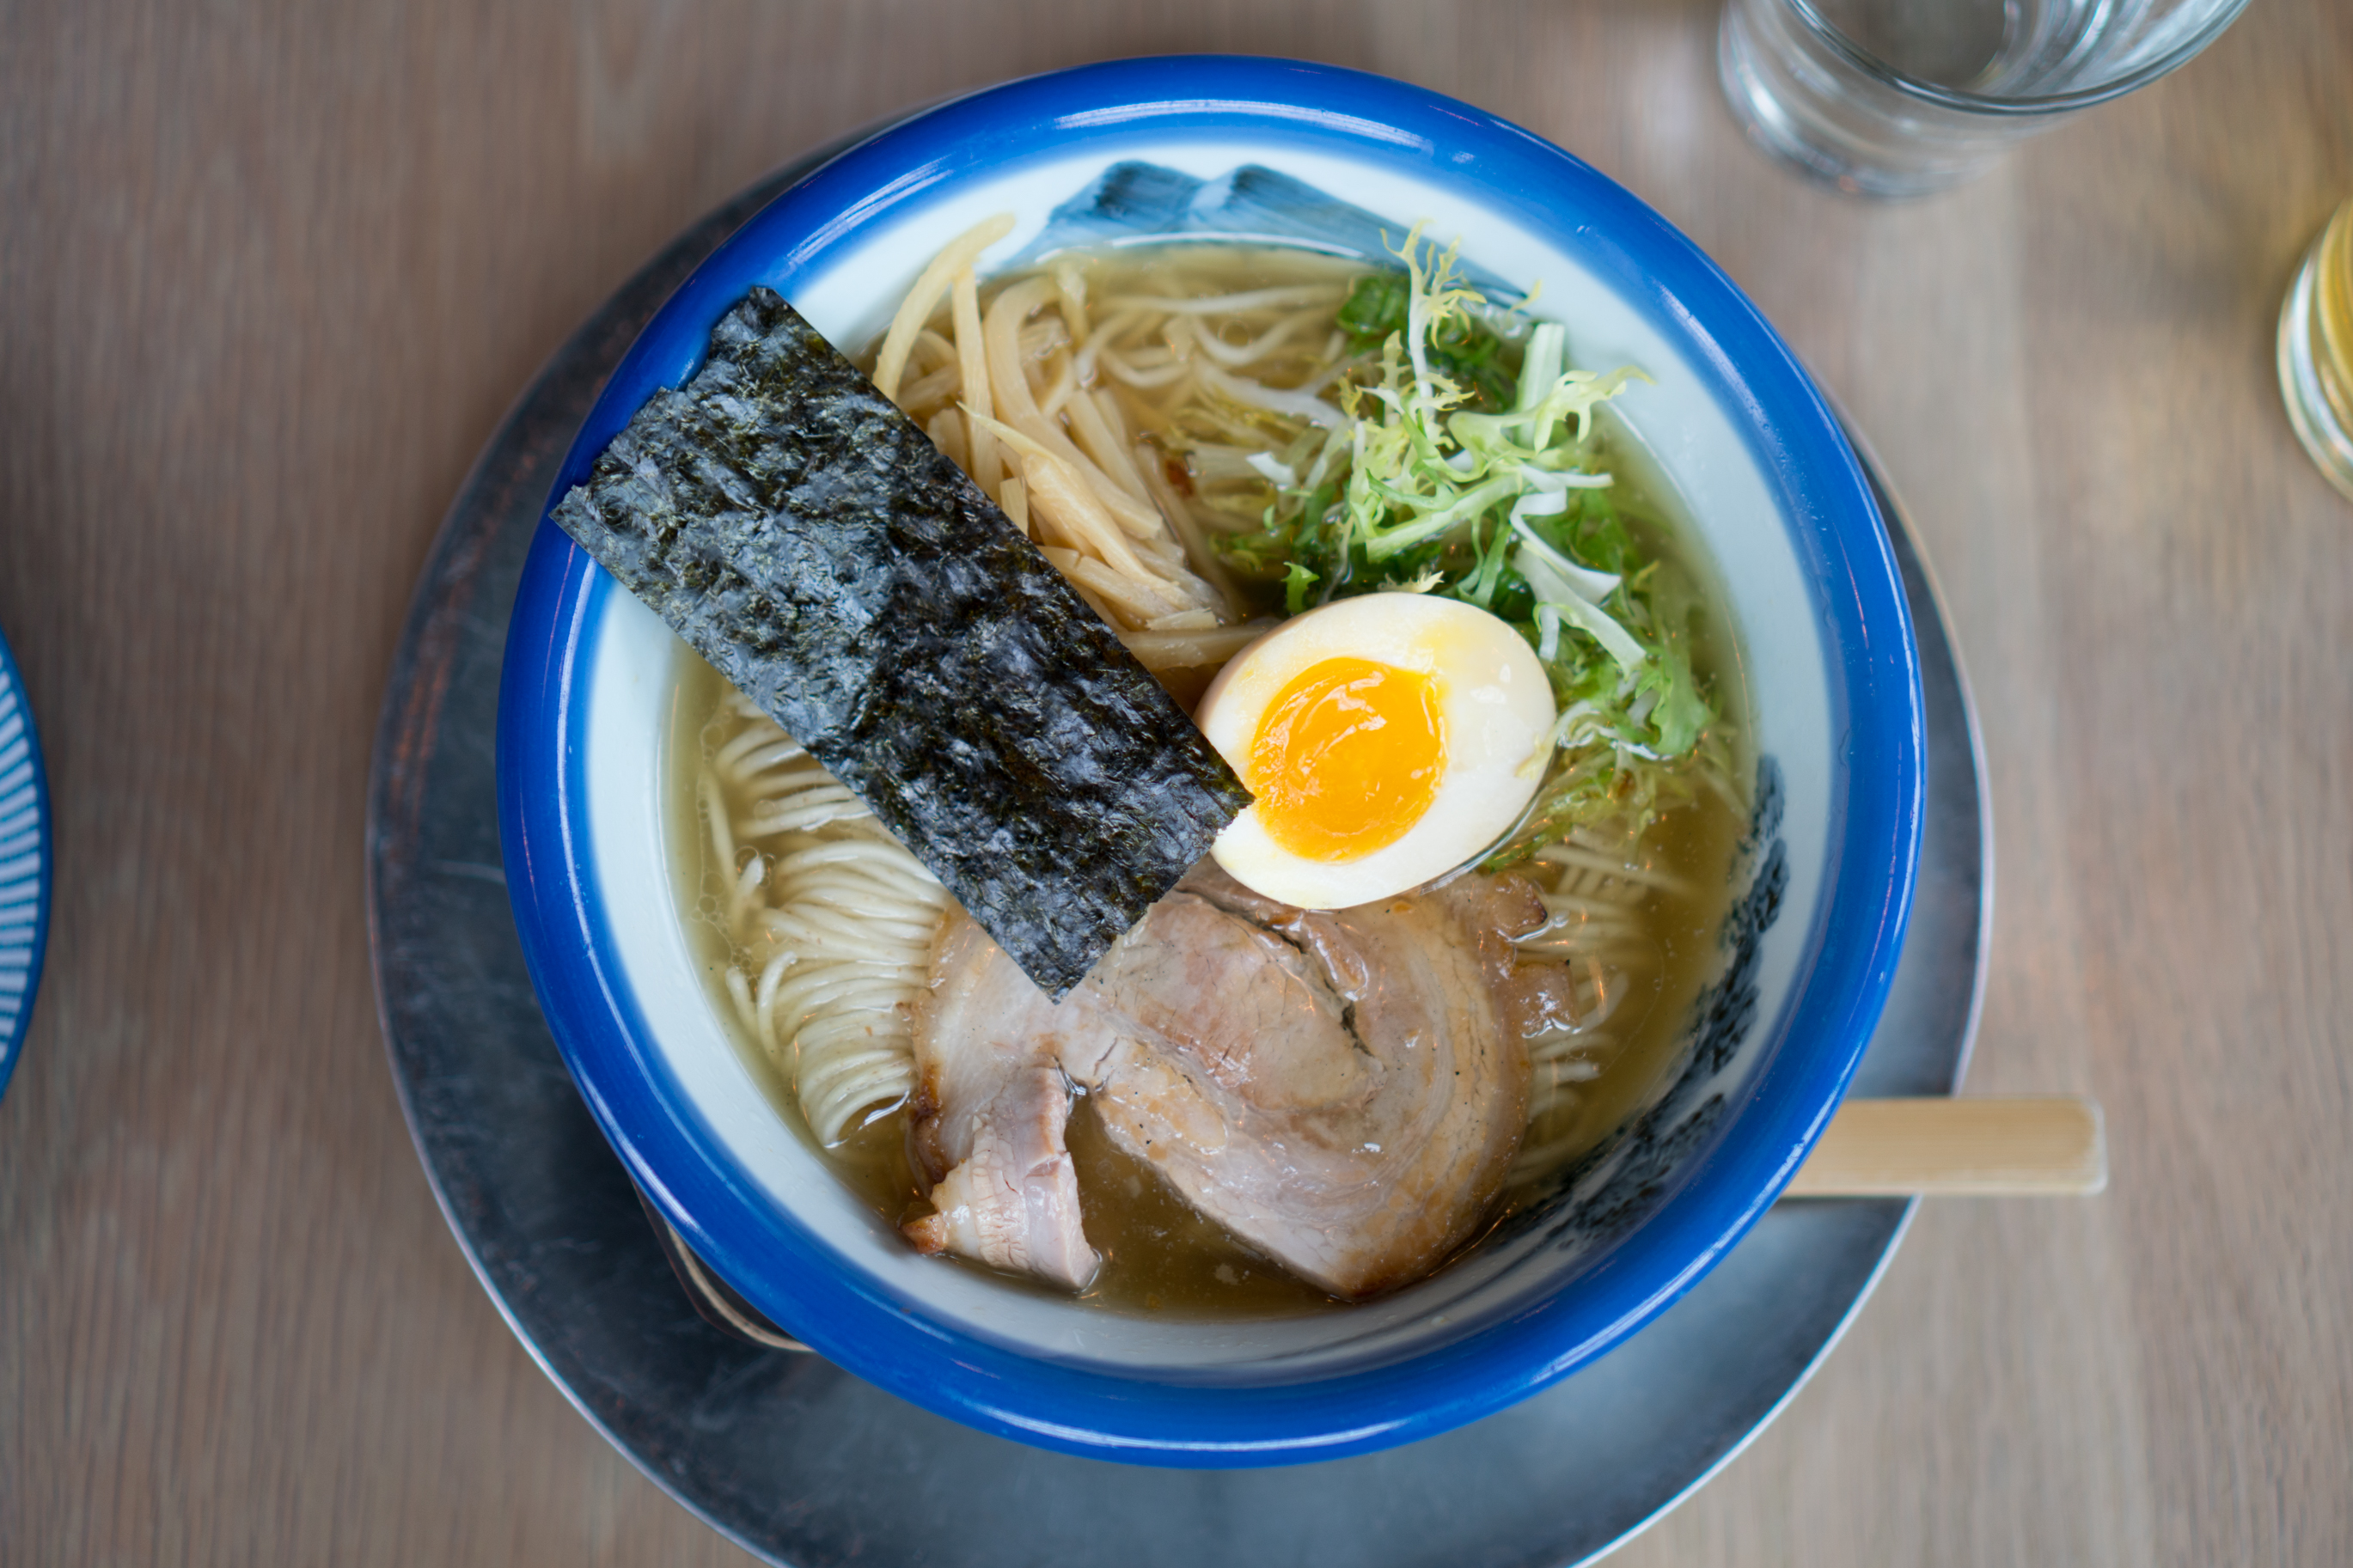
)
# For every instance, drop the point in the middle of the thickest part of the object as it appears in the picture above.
(1387, 740)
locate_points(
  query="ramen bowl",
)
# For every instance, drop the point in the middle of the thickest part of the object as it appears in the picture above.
(1271, 152)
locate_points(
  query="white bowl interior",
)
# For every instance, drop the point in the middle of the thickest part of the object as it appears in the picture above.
(634, 676)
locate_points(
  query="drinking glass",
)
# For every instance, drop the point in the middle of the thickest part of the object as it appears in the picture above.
(1899, 98)
(2315, 351)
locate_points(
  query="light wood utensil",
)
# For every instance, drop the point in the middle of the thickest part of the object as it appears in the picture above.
(1958, 1148)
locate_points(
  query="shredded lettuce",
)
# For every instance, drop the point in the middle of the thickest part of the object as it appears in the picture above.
(1453, 471)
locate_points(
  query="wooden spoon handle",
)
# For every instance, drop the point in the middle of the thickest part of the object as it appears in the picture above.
(1958, 1148)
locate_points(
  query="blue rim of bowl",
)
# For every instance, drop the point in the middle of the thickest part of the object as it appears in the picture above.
(26, 865)
(1849, 954)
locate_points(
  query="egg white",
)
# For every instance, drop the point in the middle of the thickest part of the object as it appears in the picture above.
(1494, 704)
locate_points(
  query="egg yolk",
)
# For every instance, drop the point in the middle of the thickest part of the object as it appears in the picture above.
(1346, 758)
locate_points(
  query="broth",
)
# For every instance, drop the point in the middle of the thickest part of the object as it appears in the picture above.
(1652, 905)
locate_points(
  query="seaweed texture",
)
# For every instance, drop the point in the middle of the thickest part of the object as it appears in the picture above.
(807, 539)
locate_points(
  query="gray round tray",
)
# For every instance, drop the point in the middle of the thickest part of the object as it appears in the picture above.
(803, 1464)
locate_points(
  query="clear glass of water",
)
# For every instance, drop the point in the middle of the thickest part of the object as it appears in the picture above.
(1901, 98)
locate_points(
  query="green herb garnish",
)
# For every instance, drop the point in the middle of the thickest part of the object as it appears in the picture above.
(1467, 468)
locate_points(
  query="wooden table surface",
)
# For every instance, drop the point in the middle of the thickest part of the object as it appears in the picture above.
(272, 274)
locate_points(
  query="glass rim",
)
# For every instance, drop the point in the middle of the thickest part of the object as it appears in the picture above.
(1888, 76)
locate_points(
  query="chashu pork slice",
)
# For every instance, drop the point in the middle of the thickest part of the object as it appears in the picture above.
(1344, 1091)
(989, 1107)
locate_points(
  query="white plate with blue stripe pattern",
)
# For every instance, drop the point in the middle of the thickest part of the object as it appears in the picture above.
(25, 864)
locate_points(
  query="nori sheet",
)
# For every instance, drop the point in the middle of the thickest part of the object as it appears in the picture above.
(808, 539)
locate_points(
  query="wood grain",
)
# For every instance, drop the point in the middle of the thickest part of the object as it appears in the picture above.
(272, 272)
(1959, 1146)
